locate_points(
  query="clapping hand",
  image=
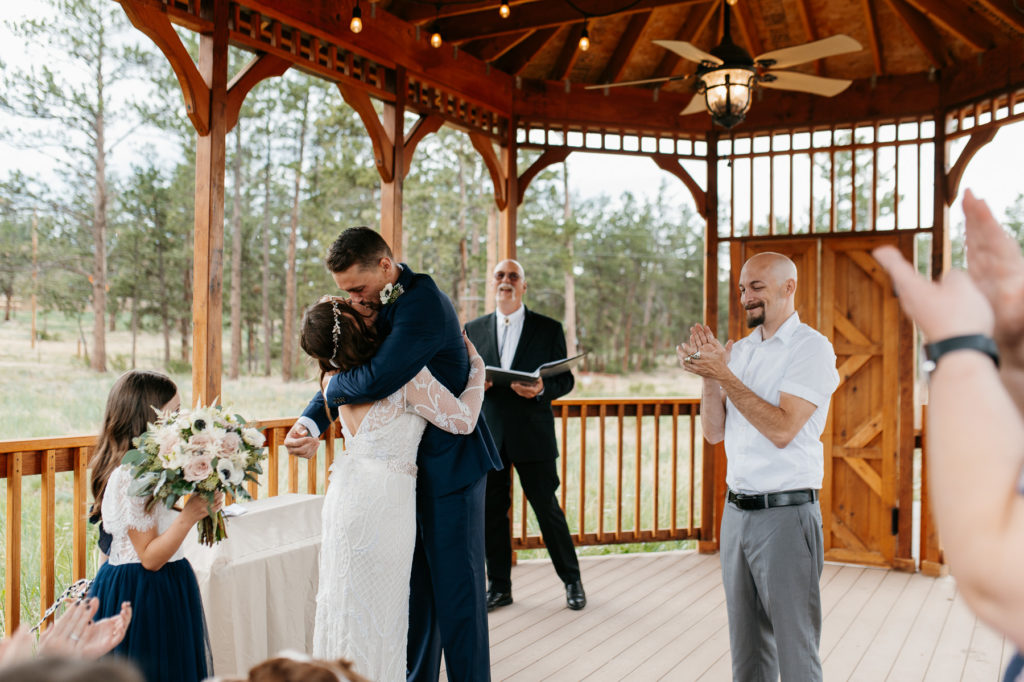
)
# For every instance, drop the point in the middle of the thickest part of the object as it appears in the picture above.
(703, 354)
(74, 633)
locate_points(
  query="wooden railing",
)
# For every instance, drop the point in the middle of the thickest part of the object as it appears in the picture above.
(628, 467)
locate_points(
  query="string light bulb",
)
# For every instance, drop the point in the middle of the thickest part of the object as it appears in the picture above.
(435, 37)
(584, 38)
(356, 25)
(732, 3)
(504, 10)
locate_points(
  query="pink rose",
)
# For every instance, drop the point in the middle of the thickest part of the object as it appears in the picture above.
(197, 468)
(203, 442)
(167, 439)
(230, 444)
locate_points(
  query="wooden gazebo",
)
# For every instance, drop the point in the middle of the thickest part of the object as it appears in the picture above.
(933, 83)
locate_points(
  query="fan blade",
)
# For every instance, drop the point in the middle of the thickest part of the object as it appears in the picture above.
(688, 51)
(646, 81)
(808, 52)
(803, 82)
(695, 106)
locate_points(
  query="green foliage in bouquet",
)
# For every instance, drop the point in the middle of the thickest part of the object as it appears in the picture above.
(201, 451)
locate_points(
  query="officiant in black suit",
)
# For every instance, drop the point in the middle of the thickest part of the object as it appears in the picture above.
(523, 428)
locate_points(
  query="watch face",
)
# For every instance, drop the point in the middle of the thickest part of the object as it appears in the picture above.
(928, 366)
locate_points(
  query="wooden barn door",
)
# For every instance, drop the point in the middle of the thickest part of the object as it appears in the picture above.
(844, 294)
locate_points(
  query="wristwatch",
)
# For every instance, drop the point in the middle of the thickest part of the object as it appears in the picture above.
(979, 342)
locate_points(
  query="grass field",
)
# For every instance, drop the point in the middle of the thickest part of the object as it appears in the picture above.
(49, 390)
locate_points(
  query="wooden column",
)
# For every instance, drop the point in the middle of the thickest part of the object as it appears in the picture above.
(713, 460)
(507, 219)
(208, 267)
(391, 191)
(940, 200)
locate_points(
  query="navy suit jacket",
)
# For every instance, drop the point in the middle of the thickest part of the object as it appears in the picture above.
(523, 428)
(424, 331)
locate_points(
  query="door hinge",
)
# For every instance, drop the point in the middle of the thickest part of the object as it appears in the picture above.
(895, 520)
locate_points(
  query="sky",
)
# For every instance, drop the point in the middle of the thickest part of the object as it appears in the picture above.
(994, 173)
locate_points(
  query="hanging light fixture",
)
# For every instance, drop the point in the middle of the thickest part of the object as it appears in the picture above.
(584, 38)
(435, 33)
(504, 10)
(356, 25)
(727, 87)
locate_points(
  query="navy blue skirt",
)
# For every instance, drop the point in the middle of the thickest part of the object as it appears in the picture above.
(167, 636)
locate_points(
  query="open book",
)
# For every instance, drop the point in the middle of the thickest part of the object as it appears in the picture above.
(504, 377)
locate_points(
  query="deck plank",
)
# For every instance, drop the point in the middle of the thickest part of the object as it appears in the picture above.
(662, 616)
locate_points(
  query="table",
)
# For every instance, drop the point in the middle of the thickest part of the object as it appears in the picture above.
(259, 585)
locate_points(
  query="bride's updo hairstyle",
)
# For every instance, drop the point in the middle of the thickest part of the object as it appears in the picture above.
(337, 336)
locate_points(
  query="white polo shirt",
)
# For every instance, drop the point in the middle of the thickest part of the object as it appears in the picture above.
(799, 361)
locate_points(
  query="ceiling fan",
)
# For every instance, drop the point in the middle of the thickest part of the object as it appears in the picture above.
(727, 74)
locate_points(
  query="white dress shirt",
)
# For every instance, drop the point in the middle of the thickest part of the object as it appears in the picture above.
(514, 322)
(799, 361)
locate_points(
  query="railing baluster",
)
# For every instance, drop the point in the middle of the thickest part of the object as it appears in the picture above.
(272, 463)
(674, 517)
(79, 516)
(657, 478)
(600, 488)
(583, 472)
(47, 528)
(693, 459)
(293, 474)
(637, 470)
(565, 452)
(12, 576)
(618, 477)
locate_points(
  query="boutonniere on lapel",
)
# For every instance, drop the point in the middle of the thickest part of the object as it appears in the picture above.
(390, 293)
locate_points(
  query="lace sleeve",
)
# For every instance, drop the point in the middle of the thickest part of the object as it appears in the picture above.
(129, 511)
(428, 398)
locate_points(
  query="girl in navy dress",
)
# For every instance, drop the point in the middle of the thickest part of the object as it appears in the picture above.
(167, 636)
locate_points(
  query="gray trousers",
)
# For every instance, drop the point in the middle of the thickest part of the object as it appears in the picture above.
(771, 568)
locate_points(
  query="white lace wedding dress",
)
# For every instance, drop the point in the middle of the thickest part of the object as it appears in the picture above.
(369, 524)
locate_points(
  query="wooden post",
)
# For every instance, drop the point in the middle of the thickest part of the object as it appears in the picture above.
(391, 192)
(940, 200)
(47, 528)
(208, 269)
(507, 222)
(12, 576)
(711, 459)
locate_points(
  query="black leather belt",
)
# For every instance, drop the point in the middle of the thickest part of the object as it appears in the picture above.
(786, 498)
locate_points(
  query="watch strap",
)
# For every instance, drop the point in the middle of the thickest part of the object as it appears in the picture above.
(978, 342)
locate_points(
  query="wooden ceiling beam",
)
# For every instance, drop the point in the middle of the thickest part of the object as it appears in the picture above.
(924, 33)
(959, 19)
(748, 27)
(1006, 10)
(627, 43)
(493, 48)
(697, 20)
(807, 19)
(516, 59)
(540, 15)
(871, 19)
(423, 13)
(567, 57)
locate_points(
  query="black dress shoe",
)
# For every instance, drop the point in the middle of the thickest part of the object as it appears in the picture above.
(496, 598)
(575, 597)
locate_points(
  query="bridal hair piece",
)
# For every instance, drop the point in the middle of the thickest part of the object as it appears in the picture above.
(336, 331)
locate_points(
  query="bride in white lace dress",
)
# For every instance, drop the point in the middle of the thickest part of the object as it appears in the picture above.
(369, 513)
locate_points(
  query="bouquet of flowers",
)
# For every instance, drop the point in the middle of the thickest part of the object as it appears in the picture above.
(201, 451)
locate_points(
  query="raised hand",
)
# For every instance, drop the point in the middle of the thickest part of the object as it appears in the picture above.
(704, 354)
(952, 307)
(996, 265)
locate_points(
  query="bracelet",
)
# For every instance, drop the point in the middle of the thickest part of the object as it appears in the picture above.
(978, 342)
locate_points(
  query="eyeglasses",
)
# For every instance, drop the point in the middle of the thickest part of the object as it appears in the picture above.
(510, 276)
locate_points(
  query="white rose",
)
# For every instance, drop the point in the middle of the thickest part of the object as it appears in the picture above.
(253, 437)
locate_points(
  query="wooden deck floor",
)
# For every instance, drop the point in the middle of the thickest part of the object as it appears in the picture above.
(662, 617)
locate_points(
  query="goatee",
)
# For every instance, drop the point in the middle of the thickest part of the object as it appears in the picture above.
(755, 319)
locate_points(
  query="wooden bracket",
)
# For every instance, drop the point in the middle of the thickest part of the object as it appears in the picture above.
(671, 164)
(482, 144)
(196, 91)
(978, 139)
(549, 157)
(383, 145)
(256, 71)
(424, 126)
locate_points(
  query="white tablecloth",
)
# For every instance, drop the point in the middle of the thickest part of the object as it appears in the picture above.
(259, 585)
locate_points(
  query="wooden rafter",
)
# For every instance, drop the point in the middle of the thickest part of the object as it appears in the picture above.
(958, 19)
(1008, 11)
(922, 30)
(493, 48)
(539, 15)
(697, 20)
(569, 53)
(421, 13)
(748, 27)
(627, 43)
(871, 18)
(807, 19)
(517, 58)
(259, 69)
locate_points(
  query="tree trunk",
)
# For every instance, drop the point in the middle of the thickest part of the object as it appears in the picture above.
(99, 232)
(185, 323)
(290, 293)
(571, 342)
(135, 327)
(645, 327)
(236, 259)
(268, 323)
(459, 285)
(7, 307)
(165, 316)
(492, 255)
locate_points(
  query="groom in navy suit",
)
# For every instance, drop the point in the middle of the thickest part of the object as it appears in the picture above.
(447, 604)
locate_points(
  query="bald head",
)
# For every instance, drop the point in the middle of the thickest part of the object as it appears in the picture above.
(509, 285)
(767, 290)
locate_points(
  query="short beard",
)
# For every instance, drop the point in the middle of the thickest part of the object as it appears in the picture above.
(755, 320)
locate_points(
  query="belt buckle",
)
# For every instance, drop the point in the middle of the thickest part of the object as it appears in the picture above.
(764, 501)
